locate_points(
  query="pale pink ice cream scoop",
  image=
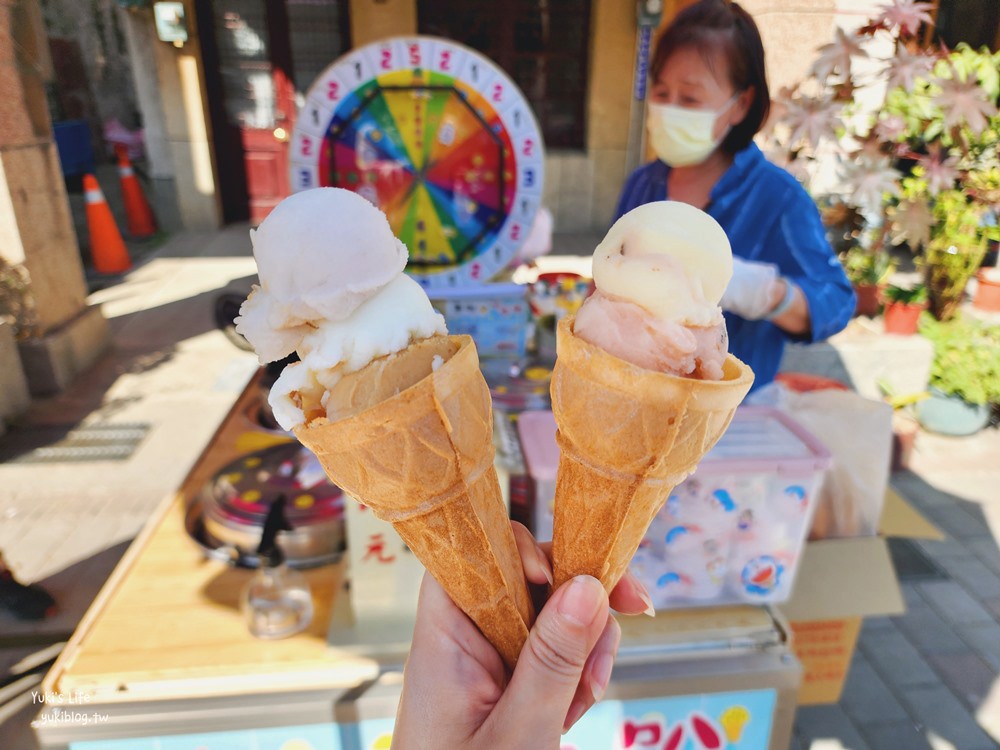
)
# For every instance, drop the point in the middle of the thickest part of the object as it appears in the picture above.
(660, 273)
(627, 331)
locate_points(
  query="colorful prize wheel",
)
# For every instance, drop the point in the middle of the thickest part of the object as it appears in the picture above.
(440, 139)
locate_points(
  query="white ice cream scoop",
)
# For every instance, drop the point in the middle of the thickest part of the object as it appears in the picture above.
(320, 254)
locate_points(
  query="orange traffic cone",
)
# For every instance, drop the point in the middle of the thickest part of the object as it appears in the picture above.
(106, 245)
(140, 216)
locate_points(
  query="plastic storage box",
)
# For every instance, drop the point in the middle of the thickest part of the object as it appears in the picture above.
(733, 531)
(495, 315)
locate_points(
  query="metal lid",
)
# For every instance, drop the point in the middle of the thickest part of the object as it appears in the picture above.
(228, 515)
(245, 489)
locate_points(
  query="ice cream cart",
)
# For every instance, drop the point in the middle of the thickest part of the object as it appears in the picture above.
(164, 659)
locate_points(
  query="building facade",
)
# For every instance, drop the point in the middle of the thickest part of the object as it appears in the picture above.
(219, 106)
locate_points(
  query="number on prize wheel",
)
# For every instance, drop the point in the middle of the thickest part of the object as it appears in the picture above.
(440, 139)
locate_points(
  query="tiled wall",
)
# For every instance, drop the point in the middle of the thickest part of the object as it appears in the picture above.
(581, 189)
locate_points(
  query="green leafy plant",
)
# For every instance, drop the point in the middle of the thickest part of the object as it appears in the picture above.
(915, 295)
(918, 158)
(844, 224)
(867, 266)
(955, 251)
(966, 358)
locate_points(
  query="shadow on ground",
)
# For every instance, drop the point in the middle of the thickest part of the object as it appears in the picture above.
(145, 340)
(178, 320)
(73, 588)
(28, 649)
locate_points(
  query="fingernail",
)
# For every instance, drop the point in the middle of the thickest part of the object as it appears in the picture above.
(643, 593)
(600, 672)
(649, 611)
(543, 562)
(581, 600)
(575, 712)
(600, 675)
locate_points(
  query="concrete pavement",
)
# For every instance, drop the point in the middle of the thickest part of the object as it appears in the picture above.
(171, 374)
(925, 679)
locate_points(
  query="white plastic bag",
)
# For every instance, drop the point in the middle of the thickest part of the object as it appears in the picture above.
(858, 432)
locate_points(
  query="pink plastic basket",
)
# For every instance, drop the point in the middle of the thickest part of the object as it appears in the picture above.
(733, 531)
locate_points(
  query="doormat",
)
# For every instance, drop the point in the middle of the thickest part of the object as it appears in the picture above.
(71, 444)
(912, 563)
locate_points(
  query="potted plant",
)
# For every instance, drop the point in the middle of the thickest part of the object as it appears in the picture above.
(18, 321)
(16, 304)
(916, 146)
(986, 187)
(988, 292)
(955, 251)
(903, 307)
(869, 271)
(965, 375)
(868, 268)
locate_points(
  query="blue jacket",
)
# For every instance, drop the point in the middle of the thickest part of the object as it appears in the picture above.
(768, 217)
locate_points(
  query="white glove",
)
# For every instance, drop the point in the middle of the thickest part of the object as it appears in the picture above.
(750, 293)
(539, 239)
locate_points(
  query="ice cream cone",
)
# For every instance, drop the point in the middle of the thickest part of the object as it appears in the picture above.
(414, 444)
(627, 436)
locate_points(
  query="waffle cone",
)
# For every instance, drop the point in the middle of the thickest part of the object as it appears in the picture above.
(414, 444)
(627, 436)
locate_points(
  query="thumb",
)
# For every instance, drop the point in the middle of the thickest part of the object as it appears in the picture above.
(551, 663)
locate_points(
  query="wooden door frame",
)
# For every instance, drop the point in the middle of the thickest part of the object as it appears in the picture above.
(230, 177)
(230, 158)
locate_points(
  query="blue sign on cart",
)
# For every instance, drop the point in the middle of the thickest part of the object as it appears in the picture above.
(308, 737)
(713, 721)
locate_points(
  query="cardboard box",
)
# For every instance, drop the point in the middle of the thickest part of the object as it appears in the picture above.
(840, 582)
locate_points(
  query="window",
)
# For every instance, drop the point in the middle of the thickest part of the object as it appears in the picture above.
(541, 44)
(319, 31)
(973, 21)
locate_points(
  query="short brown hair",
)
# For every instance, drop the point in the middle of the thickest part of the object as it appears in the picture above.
(711, 26)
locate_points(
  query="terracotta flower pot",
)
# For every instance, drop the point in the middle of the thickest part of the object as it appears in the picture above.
(901, 317)
(869, 299)
(988, 293)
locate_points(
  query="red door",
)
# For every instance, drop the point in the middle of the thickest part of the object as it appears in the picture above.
(260, 58)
